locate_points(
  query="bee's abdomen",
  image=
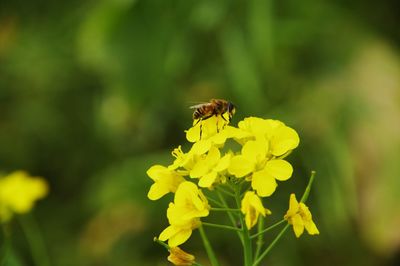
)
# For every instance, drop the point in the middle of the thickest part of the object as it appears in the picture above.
(201, 112)
(197, 114)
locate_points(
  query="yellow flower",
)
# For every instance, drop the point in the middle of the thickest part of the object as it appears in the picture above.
(214, 132)
(282, 139)
(209, 167)
(165, 181)
(178, 234)
(255, 163)
(206, 128)
(18, 193)
(183, 214)
(179, 257)
(252, 207)
(300, 217)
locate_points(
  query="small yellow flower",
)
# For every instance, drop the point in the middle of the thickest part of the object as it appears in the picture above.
(18, 193)
(209, 167)
(165, 181)
(183, 214)
(263, 170)
(252, 207)
(178, 234)
(179, 257)
(300, 217)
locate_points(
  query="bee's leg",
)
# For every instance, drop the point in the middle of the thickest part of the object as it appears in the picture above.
(201, 127)
(222, 115)
(198, 120)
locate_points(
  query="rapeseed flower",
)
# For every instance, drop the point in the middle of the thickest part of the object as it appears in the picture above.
(183, 214)
(281, 138)
(165, 181)
(252, 207)
(300, 217)
(257, 166)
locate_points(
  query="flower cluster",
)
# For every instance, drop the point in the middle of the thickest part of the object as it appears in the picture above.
(249, 160)
(18, 193)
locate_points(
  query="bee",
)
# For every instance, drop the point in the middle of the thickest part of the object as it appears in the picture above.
(215, 107)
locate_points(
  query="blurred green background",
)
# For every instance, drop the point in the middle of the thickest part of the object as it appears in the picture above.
(92, 93)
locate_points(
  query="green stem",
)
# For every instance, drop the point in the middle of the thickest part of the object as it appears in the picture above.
(158, 241)
(222, 226)
(225, 209)
(268, 249)
(35, 240)
(308, 188)
(230, 215)
(219, 204)
(247, 247)
(207, 246)
(6, 245)
(225, 191)
(268, 228)
(260, 238)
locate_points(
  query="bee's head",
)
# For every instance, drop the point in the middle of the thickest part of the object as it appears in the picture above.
(231, 109)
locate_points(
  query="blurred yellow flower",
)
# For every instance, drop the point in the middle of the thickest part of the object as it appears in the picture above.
(18, 193)
(183, 214)
(252, 207)
(179, 257)
(255, 163)
(165, 181)
(300, 217)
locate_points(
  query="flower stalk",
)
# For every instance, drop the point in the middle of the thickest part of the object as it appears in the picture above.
(247, 245)
(208, 247)
(227, 227)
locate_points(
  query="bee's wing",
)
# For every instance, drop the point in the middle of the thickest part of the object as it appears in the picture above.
(199, 105)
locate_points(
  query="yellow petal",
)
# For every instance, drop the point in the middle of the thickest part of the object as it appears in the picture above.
(298, 225)
(193, 133)
(156, 171)
(293, 206)
(255, 125)
(157, 191)
(256, 203)
(223, 163)
(263, 183)
(284, 140)
(180, 237)
(208, 179)
(279, 169)
(213, 156)
(240, 166)
(311, 228)
(254, 150)
(168, 232)
(199, 169)
(201, 147)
